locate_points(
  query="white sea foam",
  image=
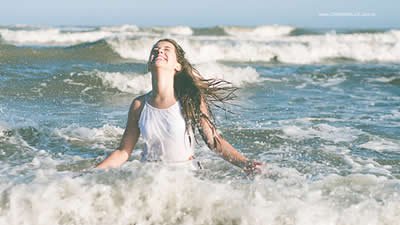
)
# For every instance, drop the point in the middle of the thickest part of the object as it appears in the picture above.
(383, 79)
(3, 127)
(392, 115)
(323, 131)
(126, 82)
(64, 35)
(175, 30)
(138, 49)
(23, 26)
(362, 47)
(51, 36)
(75, 29)
(122, 28)
(322, 80)
(259, 32)
(9, 130)
(75, 133)
(237, 76)
(380, 144)
(71, 82)
(157, 195)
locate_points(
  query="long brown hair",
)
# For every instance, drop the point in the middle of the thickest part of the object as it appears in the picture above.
(192, 90)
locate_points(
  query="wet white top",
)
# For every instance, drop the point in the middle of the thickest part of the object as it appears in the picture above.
(164, 133)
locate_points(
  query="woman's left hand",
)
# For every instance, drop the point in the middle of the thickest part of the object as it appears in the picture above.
(253, 167)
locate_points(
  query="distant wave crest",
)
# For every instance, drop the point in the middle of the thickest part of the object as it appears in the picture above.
(269, 43)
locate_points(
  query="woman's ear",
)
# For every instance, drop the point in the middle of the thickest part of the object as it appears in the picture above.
(178, 67)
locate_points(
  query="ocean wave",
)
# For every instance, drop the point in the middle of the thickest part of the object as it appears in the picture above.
(121, 28)
(3, 128)
(96, 83)
(236, 75)
(77, 134)
(138, 48)
(381, 144)
(210, 31)
(392, 115)
(337, 149)
(19, 144)
(323, 131)
(133, 196)
(395, 80)
(67, 36)
(71, 85)
(126, 82)
(141, 83)
(51, 36)
(322, 80)
(289, 49)
(260, 44)
(99, 51)
(174, 30)
(259, 32)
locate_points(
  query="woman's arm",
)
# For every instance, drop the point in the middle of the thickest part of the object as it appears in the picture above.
(218, 144)
(129, 138)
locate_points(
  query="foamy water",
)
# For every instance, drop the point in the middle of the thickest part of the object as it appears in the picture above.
(150, 195)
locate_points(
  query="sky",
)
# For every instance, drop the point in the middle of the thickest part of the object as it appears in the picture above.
(204, 13)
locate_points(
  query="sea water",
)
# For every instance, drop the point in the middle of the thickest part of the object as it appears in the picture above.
(321, 108)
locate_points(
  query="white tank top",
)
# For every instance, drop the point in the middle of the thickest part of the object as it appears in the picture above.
(164, 133)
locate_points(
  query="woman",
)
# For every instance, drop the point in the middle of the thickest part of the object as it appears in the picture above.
(168, 116)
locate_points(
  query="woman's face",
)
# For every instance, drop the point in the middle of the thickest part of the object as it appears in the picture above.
(163, 55)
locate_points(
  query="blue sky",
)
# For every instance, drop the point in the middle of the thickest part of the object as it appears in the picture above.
(204, 13)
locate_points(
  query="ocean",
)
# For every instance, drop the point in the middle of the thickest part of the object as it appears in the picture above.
(321, 108)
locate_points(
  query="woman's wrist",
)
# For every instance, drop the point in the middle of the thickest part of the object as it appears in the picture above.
(248, 164)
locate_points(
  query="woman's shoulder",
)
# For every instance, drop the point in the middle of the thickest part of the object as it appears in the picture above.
(137, 104)
(139, 100)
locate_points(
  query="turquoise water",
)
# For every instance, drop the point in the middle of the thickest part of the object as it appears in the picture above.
(320, 107)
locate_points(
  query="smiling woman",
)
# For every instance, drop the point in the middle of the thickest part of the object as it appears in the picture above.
(167, 116)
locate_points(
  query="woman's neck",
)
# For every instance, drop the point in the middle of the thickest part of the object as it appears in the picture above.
(163, 88)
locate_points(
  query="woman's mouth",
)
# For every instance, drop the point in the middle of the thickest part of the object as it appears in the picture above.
(160, 58)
